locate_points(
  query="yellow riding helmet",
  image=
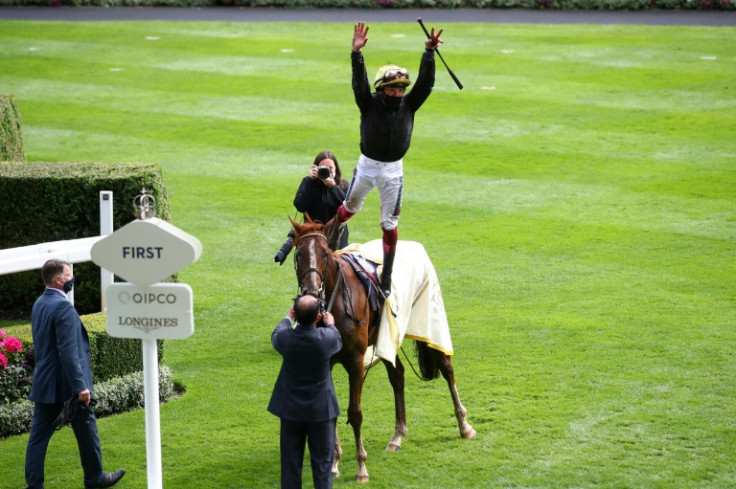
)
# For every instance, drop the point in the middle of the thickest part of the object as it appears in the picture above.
(391, 75)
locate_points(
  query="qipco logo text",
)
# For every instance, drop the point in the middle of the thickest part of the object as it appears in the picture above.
(161, 298)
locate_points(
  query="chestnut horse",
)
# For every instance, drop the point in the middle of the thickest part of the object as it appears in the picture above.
(319, 274)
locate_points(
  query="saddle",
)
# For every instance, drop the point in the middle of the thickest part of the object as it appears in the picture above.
(367, 272)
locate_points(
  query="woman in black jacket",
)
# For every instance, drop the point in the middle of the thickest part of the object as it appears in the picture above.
(322, 191)
(320, 194)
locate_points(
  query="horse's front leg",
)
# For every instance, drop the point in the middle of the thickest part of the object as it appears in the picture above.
(396, 378)
(445, 366)
(355, 416)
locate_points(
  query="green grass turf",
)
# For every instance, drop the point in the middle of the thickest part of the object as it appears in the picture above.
(577, 199)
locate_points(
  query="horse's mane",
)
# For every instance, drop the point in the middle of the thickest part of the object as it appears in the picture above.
(312, 227)
(309, 227)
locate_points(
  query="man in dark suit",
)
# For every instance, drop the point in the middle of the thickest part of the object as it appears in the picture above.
(63, 368)
(304, 396)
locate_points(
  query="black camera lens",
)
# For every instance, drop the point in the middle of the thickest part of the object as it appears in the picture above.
(323, 172)
(281, 255)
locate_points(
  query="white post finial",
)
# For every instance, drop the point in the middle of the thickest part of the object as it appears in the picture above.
(144, 205)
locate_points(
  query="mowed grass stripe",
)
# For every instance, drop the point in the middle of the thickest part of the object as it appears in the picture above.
(114, 98)
(198, 130)
(200, 160)
(583, 203)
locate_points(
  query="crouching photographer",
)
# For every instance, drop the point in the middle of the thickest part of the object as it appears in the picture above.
(321, 192)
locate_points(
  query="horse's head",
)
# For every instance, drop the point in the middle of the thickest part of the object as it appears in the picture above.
(311, 256)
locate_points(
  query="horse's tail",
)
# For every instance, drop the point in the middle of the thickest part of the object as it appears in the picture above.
(427, 365)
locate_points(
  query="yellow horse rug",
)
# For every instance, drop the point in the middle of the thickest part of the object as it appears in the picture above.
(415, 308)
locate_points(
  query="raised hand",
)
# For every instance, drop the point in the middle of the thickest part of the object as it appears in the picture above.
(360, 36)
(434, 40)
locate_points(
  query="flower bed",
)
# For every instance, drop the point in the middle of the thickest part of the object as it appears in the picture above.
(113, 396)
(16, 369)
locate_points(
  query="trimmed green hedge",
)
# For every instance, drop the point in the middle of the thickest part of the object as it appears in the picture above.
(114, 396)
(60, 201)
(11, 134)
(374, 4)
(111, 356)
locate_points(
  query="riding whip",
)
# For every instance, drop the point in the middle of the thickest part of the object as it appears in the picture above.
(437, 50)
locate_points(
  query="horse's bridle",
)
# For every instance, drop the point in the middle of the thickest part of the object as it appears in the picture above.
(322, 273)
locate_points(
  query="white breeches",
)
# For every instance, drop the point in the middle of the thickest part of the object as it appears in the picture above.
(388, 177)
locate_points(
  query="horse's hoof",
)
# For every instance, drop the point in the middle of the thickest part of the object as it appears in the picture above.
(470, 435)
(335, 475)
(362, 478)
(393, 447)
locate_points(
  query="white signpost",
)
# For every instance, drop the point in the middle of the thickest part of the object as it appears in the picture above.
(144, 252)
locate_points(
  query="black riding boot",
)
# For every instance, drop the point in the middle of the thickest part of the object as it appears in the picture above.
(388, 265)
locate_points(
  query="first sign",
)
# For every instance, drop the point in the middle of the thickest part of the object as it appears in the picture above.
(145, 252)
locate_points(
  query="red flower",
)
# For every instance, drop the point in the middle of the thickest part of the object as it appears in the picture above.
(3, 361)
(12, 344)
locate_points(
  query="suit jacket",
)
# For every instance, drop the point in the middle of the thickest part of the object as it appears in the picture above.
(304, 390)
(61, 346)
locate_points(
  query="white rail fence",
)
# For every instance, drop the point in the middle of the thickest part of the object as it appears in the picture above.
(24, 258)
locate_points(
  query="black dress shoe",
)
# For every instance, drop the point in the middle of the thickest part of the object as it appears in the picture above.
(109, 479)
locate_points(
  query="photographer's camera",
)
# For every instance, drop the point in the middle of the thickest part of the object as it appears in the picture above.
(324, 172)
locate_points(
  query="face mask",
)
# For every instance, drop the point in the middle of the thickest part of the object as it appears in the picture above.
(392, 102)
(68, 286)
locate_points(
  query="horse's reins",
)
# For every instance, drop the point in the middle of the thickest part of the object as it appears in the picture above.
(334, 292)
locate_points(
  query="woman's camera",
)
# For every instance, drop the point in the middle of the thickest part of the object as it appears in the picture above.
(324, 172)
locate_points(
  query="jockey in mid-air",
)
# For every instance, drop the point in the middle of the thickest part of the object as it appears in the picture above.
(386, 124)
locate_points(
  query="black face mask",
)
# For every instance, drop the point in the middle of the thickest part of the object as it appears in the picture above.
(392, 103)
(68, 286)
